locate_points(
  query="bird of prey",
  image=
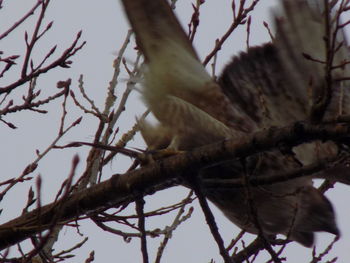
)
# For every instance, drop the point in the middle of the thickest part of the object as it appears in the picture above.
(274, 84)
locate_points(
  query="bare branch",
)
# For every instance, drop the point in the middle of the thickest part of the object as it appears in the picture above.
(120, 189)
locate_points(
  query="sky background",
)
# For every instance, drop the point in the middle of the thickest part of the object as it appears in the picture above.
(104, 28)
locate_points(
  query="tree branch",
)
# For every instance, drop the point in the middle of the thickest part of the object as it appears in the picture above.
(121, 189)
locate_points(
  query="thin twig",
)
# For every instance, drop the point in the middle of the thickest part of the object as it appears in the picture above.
(255, 217)
(19, 22)
(209, 217)
(238, 20)
(141, 224)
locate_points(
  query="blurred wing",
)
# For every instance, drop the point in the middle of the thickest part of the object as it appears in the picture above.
(301, 39)
(155, 24)
(277, 84)
(177, 88)
(258, 82)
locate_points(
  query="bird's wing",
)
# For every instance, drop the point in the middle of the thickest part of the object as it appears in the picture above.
(279, 83)
(176, 83)
(258, 82)
(302, 38)
(154, 24)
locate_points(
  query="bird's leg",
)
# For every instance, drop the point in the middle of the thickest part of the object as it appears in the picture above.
(171, 150)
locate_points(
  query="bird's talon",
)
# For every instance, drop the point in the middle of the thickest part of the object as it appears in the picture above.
(164, 153)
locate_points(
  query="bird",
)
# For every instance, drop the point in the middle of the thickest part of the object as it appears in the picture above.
(274, 84)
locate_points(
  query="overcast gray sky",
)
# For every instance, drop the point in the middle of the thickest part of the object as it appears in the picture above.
(104, 28)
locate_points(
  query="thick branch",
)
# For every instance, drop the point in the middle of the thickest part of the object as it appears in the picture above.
(125, 188)
(314, 169)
